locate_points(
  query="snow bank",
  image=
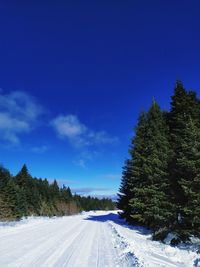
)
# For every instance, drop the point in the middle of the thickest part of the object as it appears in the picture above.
(153, 253)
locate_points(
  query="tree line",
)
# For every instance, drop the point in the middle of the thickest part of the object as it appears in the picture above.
(160, 186)
(22, 196)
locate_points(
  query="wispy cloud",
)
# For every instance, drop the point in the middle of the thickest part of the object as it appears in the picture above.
(78, 134)
(18, 114)
(85, 156)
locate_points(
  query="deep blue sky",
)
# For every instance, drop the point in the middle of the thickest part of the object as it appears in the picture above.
(75, 75)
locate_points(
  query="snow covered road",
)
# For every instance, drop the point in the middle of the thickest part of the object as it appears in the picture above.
(89, 240)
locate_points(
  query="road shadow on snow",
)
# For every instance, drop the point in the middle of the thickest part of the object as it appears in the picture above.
(114, 217)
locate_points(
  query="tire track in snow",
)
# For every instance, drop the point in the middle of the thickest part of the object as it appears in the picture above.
(54, 252)
(70, 251)
(75, 241)
(43, 247)
(78, 256)
(98, 248)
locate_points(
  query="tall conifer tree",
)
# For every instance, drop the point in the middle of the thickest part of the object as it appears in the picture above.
(150, 203)
(133, 169)
(184, 107)
(188, 169)
(125, 195)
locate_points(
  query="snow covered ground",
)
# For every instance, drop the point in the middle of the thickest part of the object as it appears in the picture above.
(88, 240)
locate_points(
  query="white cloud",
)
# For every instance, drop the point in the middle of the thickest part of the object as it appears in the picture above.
(18, 114)
(69, 126)
(78, 134)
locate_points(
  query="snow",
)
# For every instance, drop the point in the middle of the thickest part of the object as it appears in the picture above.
(90, 239)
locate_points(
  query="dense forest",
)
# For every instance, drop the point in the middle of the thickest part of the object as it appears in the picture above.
(160, 187)
(23, 195)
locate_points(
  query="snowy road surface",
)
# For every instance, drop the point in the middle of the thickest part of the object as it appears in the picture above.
(92, 239)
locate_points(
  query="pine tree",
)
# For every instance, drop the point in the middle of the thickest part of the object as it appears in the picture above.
(21, 204)
(161, 182)
(22, 177)
(69, 192)
(28, 192)
(8, 196)
(125, 195)
(55, 193)
(193, 107)
(133, 171)
(188, 169)
(184, 107)
(24, 195)
(150, 203)
(66, 194)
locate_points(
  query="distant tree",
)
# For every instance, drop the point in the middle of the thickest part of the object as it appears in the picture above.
(23, 177)
(28, 191)
(66, 193)
(8, 196)
(69, 192)
(54, 190)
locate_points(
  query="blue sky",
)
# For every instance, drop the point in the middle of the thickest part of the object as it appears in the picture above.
(75, 75)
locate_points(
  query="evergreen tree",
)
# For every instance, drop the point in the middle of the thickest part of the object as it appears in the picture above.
(150, 204)
(22, 177)
(69, 192)
(161, 182)
(193, 107)
(28, 192)
(188, 169)
(125, 195)
(8, 196)
(184, 107)
(24, 195)
(133, 171)
(54, 188)
(21, 205)
(66, 194)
